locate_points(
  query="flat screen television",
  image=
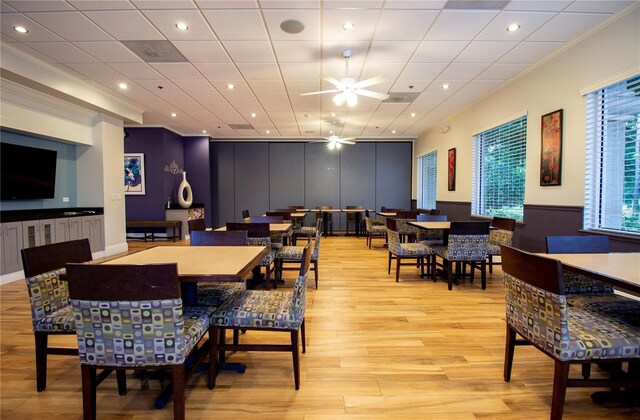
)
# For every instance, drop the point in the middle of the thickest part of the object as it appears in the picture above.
(27, 173)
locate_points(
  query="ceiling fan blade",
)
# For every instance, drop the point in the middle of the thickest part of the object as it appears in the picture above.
(333, 81)
(346, 141)
(371, 94)
(369, 82)
(319, 92)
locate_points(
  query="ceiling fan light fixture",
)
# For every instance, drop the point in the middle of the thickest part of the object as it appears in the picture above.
(331, 145)
(338, 146)
(348, 26)
(352, 99)
(339, 99)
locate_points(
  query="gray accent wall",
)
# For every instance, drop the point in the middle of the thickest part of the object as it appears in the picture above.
(266, 176)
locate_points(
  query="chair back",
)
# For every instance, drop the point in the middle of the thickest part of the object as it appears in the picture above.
(503, 235)
(219, 238)
(245, 214)
(128, 315)
(430, 218)
(266, 219)
(196, 225)
(285, 215)
(434, 212)
(299, 295)
(592, 244)
(504, 223)
(468, 241)
(41, 259)
(254, 230)
(388, 210)
(402, 214)
(295, 207)
(354, 207)
(315, 254)
(393, 236)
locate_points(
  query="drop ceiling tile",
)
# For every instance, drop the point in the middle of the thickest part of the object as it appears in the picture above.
(227, 4)
(241, 88)
(333, 50)
(422, 71)
(337, 69)
(309, 18)
(227, 23)
(462, 71)
(433, 98)
(96, 70)
(300, 71)
(31, 52)
(266, 86)
(250, 51)
(166, 20)
(537, 5)
(567, 26)
(403, 86)
(438, 51)
(297, 51)
(137, 71)
(37, 33)
(153, 86)
(39, 6)
(164, 4)
(5, 8)
(459, 25)
(529, 23)
(464, 98)
(274, 100)
(391, 51)
(390, 71)
(481, 86)
(353, 4)
(364, 21)
(502, 71)
(259, 71)
(412, 4)
(219, 71)
(397, 25)
(530, 52)
(72, 26)
(203, 51)
(484, 51)
(199, 89)
(125, 25)
(598, 6)
(101, 4)
(62, 52)
(278, 4)
(177, 70)
(108, 51)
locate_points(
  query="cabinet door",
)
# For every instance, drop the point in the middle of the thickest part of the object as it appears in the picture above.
(86, 231)
(47, 232)
(31, 233)
(97, 232)
(62, 229)
(75, 229)
(11, 235)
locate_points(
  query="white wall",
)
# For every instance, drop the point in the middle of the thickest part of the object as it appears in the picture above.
(608, 55)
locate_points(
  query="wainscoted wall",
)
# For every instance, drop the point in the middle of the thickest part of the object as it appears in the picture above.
(260, 176)
(541, 221)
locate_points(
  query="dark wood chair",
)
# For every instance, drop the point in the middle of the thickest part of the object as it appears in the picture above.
(219, 238)
(407, 232)
(51, 311)
(501, 234)
(353, 218)
(196, 225)
(114, 290)
(258, 234)
(434, 212)
(245, 215)
(284, 237)
(534, 285)
(327, 218)
(266, 219)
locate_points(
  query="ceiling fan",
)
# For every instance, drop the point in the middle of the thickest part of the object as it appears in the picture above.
(335, 142)
(348, 89)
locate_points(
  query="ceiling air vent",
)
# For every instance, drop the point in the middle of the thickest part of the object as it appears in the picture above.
(474, 5)
(155, 51)
(401, 97)
(241, 126)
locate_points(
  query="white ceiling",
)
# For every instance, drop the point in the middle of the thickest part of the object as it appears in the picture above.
(418, 45)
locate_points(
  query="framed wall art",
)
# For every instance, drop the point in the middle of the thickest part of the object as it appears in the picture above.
(551, 149)
(134, 173)
(451, 169)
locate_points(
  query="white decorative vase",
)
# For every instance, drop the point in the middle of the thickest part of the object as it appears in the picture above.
(185, 203)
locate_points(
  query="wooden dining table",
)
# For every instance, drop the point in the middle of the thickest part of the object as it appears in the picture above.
(273, 228)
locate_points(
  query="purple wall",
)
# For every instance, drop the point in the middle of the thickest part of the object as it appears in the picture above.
(196, 157)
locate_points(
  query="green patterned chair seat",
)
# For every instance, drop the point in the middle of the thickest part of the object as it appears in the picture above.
(213, 295)
(566, 334)
(60, 320)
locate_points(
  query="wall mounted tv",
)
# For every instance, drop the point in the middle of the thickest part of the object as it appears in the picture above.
(27, 173)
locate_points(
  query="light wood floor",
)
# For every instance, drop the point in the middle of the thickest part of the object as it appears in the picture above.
(376, 349)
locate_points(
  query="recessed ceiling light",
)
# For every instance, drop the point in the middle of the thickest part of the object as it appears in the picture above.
(20, 29)
(333, 114)
(268, 131)
(292, 26)
(393, 132)
(182, 26)
(330, 131)
(173, 114)
(231, 86)
(348, 26)
(204, 131)
(413, 114)
(513, 27)
(445, 86)
(122, 85)
(253, 115)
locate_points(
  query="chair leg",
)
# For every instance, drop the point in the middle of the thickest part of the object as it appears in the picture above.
(88, 392)
(42, 340)
(483, 274)
(315, 271)
(398, 260)
(296, 358)
(178, 391)
(509, 349)
(222, 337)
(586, 370)
(490, 257)
(121, 378)
(213, 360)
(303, 336)
(389, 267)
(560, 379)
(450, 275)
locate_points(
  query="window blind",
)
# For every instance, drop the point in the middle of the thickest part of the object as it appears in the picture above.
(498, 170)
(427, 180)
(612, 170)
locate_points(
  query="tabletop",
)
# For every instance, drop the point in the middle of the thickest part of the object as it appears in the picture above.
(201, 263)
(620, 269)
(273, 228)
(431, 225)
(354, 210)
(386, 213)
(325, 210)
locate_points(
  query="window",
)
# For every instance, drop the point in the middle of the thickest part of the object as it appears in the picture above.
(612, 172)
(499, 158)
(427, 176)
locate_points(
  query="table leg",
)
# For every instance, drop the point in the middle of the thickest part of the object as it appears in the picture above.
(189, 293)
(358, 217)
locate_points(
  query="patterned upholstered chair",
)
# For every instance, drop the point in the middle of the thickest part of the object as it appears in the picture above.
(407, 232)
(538, 311)
(131, 317)
(293, 254)
(307, 231)
(374, 230)
(353, 218)
(286, 218)
(376, 220)
(277, 239)
(431, 237)
(400, 251)
(196, 224)
(267, 311)
(501, 235)
(467, 243)
(51, 311)
(258, 235)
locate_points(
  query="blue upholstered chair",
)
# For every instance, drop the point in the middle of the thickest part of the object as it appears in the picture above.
(400, 251)
(267, 311)
(132, 317)
(537, 309)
